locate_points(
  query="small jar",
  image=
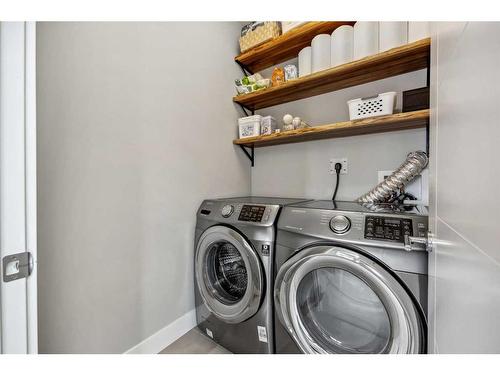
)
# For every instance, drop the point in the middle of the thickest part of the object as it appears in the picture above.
(290, 72)
(278, 77)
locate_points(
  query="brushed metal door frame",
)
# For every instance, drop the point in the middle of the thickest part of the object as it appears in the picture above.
(407, 335)
(249, 304)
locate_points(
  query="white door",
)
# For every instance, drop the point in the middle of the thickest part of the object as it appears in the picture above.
(464, 298)
(18, 329)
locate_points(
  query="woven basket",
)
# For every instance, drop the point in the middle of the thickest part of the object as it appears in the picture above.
(261, 34)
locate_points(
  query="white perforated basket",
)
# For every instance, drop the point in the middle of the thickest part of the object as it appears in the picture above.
(382, 104)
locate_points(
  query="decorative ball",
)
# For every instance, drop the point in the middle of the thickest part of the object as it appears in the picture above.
(287, 119)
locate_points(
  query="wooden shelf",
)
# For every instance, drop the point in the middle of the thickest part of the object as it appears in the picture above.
(404, 59)
(286, 46)
(380, 124)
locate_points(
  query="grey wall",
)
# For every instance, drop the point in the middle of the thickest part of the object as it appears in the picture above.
(302, 169)
(464, 269)
(135, 123)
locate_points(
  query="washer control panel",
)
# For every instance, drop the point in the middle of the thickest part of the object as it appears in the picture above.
(234, 212)
(253, 213)
(387, 228)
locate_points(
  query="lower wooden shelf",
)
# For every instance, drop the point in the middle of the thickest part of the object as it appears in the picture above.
(380, 124)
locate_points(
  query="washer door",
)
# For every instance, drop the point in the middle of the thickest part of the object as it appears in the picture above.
(228, 274)
(335, 300)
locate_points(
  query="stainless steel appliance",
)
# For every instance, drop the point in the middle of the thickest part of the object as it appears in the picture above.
(345, 283)
(234, 242)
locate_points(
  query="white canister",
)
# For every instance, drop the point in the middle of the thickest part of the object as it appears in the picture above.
(365, 39)
(418, 30)
(267, 125)
(305, 61)
(320, 52)
(342, 46)
(392, 35)
(249, 126)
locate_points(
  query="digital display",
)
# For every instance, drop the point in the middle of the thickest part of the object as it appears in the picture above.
(392, 221)
(251, 213)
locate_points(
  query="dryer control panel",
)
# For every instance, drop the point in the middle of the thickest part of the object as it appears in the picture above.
(358, 227)
(387, 228)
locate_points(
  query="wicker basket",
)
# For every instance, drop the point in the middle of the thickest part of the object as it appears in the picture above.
(261, 34)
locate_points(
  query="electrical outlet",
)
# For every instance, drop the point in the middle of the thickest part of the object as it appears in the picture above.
(343, 161)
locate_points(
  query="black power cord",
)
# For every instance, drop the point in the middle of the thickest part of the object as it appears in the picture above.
(338, 167)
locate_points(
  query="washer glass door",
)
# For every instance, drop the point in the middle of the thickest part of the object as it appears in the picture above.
(228, 274)
(335, 300)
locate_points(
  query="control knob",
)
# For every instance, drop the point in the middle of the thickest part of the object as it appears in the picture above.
(227, 210)
(340, 224)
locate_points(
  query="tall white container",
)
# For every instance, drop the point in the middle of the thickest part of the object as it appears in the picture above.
(365, 39)
(305, 61)
(418, 30)
(321, 52)
(392, 34)
(342, 48)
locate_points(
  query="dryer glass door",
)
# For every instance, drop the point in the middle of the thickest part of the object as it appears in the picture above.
(335, 300)
(342, 313)
(228, 274)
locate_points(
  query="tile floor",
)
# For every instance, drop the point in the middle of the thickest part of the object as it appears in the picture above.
(194, 342)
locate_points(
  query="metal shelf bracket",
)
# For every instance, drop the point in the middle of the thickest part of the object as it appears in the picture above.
(250, 155)
(244, 68)
(245, 109)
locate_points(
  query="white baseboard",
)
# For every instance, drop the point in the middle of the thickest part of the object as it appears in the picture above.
(165, 336)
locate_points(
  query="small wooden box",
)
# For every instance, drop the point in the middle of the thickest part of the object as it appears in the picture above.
(415, 100)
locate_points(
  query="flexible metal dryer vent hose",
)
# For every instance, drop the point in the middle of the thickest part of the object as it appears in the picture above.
(414, 164)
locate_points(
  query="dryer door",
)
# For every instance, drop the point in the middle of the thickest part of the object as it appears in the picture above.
(335, 300)
(228, 274)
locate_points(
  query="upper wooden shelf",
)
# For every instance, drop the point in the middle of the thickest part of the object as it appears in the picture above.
(404, 59)
(380, 124)
(286, 46)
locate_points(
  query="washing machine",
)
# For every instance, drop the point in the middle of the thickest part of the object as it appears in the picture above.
(234, 250)
(346, 280)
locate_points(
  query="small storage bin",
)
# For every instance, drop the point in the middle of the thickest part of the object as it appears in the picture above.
(258, 33)
(286, 26)
(267, 125)
(249, 126)
(417, 99)
(382, 104)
